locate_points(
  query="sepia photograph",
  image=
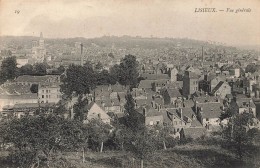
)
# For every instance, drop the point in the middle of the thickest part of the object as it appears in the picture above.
(129, 83)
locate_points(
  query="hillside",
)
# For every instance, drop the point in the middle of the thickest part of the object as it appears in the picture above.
(189, 155)
(196, 156)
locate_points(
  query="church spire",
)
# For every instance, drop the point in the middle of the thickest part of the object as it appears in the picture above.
(41, 36)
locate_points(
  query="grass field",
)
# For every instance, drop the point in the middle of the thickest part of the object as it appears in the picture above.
(183, 156)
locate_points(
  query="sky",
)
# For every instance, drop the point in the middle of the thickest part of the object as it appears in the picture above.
(159, 18)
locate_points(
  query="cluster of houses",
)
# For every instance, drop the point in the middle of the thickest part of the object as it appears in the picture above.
(191, 104)
(188, 98)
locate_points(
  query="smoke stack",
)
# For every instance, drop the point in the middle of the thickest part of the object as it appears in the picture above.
(202, 55)
(81, 54)
(181, 113)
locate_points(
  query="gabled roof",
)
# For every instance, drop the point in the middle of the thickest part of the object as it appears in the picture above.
(150, 111)
(217, 87)
(174, 93)
(211, 110)
(22, 96)
(146, 84)
(35, 79)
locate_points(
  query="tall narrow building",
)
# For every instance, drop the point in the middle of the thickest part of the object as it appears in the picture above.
(202, 55)
(41, 41)
(81, 54)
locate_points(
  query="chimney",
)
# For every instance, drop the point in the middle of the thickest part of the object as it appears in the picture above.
(181, 113)
(81, 54)
(112, 103)
(103, 104)
(144, 111)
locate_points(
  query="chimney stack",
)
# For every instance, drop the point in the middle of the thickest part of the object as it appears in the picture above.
(81, 54)
(181, 113)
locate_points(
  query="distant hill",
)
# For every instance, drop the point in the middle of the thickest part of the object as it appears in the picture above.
(107, 41)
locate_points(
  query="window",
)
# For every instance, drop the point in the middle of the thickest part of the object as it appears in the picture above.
(49, 96)
(42, 91)
(42, 96)
(46, 91)
(157, 122)
(49, 91)
(46, 96)
(207, 119)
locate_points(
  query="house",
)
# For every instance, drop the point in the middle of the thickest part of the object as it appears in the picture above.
(174, 73)
(214, 82)
(208, 113)
(152, 115)
(146, 84)
(173, 117)
(49, 93)
(17, 99)
(158, 85)
(245, 105)
(21, 61)
(19, 110)
(171, 95)
(222, 89)
(190, 83)
(94, 111)
(235, 72)
(111, 106)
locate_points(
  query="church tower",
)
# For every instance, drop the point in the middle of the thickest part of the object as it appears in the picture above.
(41, 41)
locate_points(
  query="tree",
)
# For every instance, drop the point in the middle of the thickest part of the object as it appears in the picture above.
(59, 70)
(115, 73)
(161, 135)
(60, 109)
(34, 88)
(236, 132)
(133, 119)
(99, 66)
(78, 79)
(103, 78)
(128, 71)
(36, 140)
(99, 132)
(9, 69)
(123, 136)
(40, 69)
(27, 70)
(79, 109)
(143, 146)
(251, 68)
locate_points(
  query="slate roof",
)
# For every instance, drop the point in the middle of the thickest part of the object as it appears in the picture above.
(155, 77)
(28, 105)
(34, 79)
(245, 102)
(146, 84)
(22, 96)
(174, 93)
(15, 89)
(205, 99)
(211, 110)
(217, 87)
(150, 111)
